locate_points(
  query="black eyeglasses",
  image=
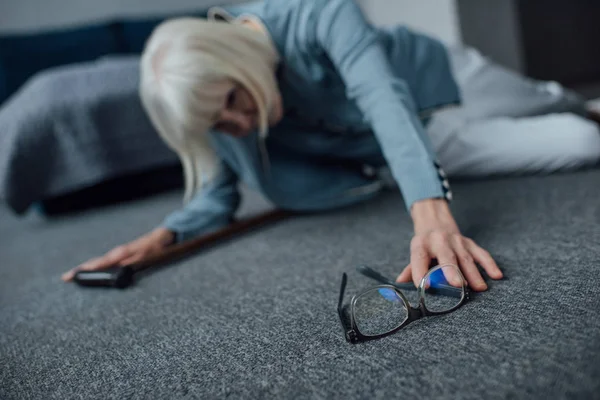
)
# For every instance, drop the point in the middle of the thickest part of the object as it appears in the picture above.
(383, 310)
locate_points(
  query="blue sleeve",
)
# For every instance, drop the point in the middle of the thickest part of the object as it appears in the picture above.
(212, 208)
(352, 45)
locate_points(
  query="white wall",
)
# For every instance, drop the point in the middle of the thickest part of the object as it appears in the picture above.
(494, 28)
(436, 17)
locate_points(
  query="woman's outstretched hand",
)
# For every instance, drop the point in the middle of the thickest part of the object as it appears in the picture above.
(437, 237)
(127, 254)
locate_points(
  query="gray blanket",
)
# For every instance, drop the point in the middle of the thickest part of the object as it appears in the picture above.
(72, 127)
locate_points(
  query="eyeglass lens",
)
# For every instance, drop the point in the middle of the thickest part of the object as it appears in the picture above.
(379, 311)
(443, 288)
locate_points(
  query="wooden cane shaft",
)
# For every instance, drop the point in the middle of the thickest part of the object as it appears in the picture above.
(234, 229)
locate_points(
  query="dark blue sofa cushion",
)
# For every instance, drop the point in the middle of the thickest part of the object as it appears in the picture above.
(21, 56)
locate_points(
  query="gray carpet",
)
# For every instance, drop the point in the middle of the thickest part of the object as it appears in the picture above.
(256, 318)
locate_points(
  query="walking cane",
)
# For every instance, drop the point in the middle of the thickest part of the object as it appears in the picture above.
(123, 277)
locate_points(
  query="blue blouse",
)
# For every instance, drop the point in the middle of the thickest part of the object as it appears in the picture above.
(341, 74)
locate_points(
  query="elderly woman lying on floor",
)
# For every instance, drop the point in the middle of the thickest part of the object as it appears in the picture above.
(342, 103)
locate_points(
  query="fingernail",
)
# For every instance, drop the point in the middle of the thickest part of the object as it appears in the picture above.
(67, 276)
(455, 281)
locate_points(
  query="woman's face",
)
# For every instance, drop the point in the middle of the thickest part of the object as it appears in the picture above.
(239, 116)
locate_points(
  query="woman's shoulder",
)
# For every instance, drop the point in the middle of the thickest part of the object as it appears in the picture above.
(305, 9)
(277, 7)
(313, 10)
(293, 24)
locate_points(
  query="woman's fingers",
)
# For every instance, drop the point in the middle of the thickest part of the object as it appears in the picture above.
(484, 259)
(138, 256)
(442, 249)
(467, 265)
(449, 248)
(447, 255)
(405, 276)
(419, 259)
(127, 254)
(111, 258)
(453, 277)
(144, 249)
(69, 275)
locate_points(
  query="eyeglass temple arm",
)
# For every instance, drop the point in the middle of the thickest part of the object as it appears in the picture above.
(443, 290)
(341, 303)
(371, 273)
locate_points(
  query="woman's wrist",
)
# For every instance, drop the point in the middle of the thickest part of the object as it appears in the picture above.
(165, 236)
(430, 214)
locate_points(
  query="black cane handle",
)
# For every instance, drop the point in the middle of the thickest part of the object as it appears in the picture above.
(114, 277)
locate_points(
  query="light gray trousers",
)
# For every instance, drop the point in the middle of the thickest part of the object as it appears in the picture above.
(509, 124)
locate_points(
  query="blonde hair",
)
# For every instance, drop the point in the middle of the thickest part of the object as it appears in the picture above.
(188, 68)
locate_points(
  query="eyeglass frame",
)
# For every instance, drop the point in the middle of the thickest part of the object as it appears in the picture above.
(352, 333)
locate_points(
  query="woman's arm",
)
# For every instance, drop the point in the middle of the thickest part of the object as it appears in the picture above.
(211, 209)
(352, 45)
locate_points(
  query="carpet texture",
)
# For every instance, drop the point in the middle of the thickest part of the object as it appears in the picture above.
(256, 318)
